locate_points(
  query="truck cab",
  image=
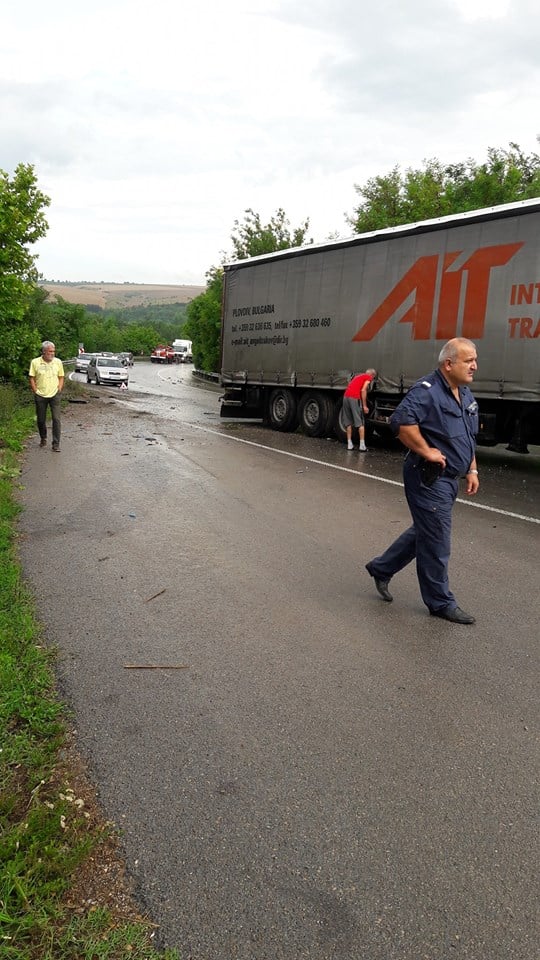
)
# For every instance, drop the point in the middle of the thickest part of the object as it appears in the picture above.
(182, 351)
(162, 354)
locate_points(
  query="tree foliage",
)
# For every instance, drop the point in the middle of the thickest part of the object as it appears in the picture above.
(204, 322)
(68, 324)
(438, 190)
(250, 238)
(22, 223)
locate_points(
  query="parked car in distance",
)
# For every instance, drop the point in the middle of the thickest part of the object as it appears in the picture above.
(126, 357)
(106, 370)
(82, 361)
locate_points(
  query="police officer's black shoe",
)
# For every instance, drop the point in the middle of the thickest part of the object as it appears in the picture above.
(454, 614)
(381, 586)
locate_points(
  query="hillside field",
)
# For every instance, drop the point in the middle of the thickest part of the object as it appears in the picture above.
(109, 295)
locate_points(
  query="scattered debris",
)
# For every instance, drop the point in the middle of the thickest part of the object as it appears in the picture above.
(156, 666)
(153, 597)
(101, 559)
(76, 400)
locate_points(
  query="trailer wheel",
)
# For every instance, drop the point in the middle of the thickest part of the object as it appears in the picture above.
(339, 430)
(282, 409)
(316, 413)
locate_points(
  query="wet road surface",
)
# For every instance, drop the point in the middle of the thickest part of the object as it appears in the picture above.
(330, 776)
(510, 482)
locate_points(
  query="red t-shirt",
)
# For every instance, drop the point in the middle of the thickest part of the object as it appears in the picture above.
(354, 389)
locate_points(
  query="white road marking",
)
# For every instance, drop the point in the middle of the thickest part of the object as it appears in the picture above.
(360, 473)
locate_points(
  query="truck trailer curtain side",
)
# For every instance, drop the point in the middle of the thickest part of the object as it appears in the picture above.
(297, 325)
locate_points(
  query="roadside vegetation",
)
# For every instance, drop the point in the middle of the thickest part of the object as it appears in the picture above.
(62, 891)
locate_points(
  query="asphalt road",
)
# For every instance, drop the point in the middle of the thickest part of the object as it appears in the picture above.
(327, 776)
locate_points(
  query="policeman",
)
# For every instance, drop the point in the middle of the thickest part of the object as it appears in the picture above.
(438, 421)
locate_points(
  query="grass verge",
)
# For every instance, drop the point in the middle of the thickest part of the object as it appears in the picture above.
(52, 836)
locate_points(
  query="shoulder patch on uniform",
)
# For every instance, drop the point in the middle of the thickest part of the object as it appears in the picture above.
(426, 383)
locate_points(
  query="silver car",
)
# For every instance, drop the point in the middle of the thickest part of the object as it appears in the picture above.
(106, 370)
(82, 361)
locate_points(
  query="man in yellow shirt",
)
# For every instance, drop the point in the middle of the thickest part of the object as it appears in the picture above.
(47, 382)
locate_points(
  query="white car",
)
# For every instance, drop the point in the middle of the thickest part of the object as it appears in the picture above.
(106, 370)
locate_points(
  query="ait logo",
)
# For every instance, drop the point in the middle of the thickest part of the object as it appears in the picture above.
(462, 292)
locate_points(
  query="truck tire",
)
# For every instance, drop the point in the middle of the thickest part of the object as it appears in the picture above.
(282, 413)
(316, 413)
(339, 429)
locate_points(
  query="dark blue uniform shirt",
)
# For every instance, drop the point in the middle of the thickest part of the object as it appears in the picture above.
(444, 423)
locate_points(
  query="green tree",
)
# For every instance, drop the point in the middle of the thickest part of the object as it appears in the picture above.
(140, 339)
(22, 223)
(62, 322)
(382, 203)
(204, 322)
(437, 190)
(250, 238)
(505, 177)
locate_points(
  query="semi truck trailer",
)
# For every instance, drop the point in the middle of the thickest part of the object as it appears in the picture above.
(297, 325)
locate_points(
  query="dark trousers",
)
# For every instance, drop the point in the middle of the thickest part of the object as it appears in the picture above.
(428, 540)
(41, 413)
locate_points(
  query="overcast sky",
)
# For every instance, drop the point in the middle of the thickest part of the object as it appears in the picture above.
(153, 126)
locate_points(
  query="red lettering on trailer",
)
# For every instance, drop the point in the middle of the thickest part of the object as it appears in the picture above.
(525, 293)
(522, 328)
(421, 280)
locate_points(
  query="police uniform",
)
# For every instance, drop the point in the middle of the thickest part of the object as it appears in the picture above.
(451, 427)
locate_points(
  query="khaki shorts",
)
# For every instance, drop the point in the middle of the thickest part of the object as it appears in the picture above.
(352, 413)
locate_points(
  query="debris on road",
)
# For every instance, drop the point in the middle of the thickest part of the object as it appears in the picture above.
(153, 597)
(156, 666)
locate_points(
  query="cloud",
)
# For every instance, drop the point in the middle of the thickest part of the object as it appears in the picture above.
(421, 56)
(154, 128)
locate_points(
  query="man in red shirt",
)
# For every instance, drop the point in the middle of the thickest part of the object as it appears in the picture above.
(355, 406)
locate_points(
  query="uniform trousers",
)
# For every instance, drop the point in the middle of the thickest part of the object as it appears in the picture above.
(427, 540)
(41, 413)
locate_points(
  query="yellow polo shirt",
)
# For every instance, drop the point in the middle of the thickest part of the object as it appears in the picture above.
(46, 375)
